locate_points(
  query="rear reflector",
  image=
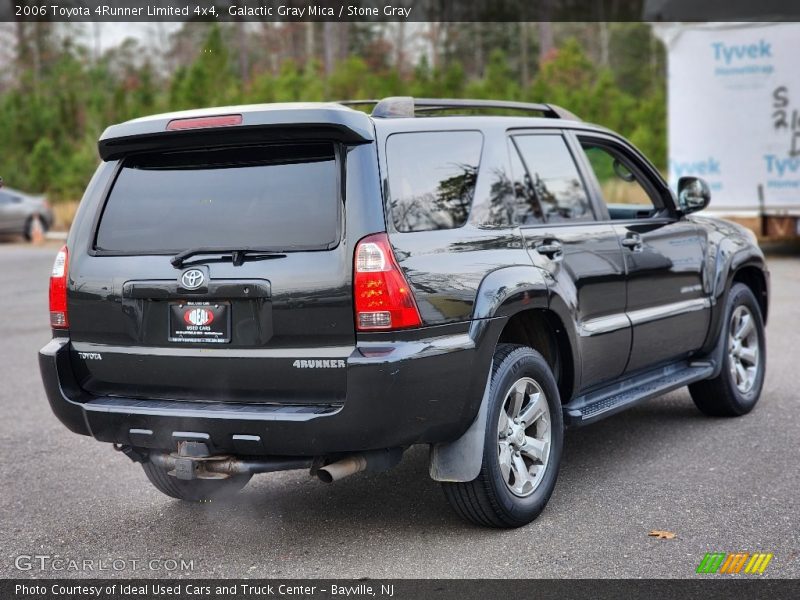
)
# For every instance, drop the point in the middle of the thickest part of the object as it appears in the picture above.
(58, 290)
(200, 122)
(383, 298)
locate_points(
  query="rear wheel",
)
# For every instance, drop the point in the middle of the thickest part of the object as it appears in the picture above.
(193, 490)
(736, 389)
(522, 444)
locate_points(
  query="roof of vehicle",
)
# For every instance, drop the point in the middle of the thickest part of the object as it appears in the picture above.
(335, 119)
(14, 192)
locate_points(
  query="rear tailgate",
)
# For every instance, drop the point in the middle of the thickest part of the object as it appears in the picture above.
(212, 329)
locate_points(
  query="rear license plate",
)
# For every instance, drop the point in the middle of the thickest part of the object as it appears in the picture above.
(200, 322)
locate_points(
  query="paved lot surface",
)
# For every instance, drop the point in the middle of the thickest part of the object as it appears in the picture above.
(719, 484)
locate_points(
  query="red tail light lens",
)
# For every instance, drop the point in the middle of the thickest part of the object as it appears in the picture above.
(382, 297)
(58, 290)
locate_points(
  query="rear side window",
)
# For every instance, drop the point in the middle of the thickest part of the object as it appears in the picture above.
(552, 182)
(277, 197)
(432, 178)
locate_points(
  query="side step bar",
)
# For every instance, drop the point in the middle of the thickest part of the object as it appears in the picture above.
(620, 395)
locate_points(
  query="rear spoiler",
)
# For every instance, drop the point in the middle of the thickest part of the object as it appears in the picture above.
(257, 125)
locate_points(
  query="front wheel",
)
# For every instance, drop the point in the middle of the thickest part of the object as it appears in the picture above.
(193, 490)
(736, 389)
(522, 444)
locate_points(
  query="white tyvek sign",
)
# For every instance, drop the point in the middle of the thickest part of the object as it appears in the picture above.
(734, 111)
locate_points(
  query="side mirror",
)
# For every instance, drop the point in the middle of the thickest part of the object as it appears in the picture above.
(693, 194)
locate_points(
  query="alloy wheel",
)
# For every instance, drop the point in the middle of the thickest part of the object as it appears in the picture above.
(743, 349)
(523, 433)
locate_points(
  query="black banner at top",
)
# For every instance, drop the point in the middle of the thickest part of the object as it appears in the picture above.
(398, 10)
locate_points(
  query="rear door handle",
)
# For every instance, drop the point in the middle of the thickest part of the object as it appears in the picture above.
(551, 249)
(633, 242)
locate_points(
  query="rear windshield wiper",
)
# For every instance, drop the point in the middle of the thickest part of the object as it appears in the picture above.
(237, 254)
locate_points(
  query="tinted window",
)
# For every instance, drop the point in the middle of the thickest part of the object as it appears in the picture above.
(432, 178)
(527, 209)
(282, 197)
(554, 182)
(512, 200)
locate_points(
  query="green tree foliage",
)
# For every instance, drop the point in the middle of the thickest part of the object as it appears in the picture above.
(210, 80)
(499, 80)
(63, 97)
(571, 80)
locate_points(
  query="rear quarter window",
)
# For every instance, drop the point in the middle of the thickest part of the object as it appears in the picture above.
(283, 197)
(553, 182)
(432, 178)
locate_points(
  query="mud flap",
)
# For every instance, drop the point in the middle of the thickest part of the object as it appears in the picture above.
(461, 460)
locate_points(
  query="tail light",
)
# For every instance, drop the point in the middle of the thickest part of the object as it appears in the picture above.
(58, 290)
(382, 297)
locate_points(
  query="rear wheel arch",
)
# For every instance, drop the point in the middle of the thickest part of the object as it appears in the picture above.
(544, 331)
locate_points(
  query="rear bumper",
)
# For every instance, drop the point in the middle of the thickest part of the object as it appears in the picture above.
(417, 391)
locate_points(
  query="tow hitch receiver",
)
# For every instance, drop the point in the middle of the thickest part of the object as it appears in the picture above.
(195, 461)
(186, 468)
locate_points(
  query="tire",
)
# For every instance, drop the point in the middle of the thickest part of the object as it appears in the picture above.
(194, 490)
(28, 232)
(730, 394)
(489, 499)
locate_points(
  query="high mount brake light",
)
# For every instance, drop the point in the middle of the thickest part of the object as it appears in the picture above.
(201, 122)
(58, 290)
(383, 299)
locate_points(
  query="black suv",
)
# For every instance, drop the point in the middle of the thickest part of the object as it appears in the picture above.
(261, 288)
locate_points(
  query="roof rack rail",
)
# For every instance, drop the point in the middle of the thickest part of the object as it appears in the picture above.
(407, 106)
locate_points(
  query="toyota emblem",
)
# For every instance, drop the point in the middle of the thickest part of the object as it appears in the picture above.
(192, 279)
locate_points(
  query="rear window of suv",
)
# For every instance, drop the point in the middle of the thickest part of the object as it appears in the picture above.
(432, 178)
(279, 197)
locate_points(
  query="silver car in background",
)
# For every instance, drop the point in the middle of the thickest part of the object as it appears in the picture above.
(19, 212)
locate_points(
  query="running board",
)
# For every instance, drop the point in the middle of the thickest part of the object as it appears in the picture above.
(620, 395)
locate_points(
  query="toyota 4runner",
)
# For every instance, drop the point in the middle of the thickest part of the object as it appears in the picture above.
(260, 288)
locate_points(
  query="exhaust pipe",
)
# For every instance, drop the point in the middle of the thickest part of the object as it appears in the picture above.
(342, 468)
(193, 460)
(374, 460)
(223, 466)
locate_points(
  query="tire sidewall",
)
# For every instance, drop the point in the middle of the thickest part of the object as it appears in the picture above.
(522, 362)
(741, 295)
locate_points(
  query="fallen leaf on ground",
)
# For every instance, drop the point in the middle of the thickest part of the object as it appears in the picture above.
(661, 535)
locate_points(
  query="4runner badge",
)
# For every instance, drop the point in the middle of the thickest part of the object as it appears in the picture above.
(319, 364)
